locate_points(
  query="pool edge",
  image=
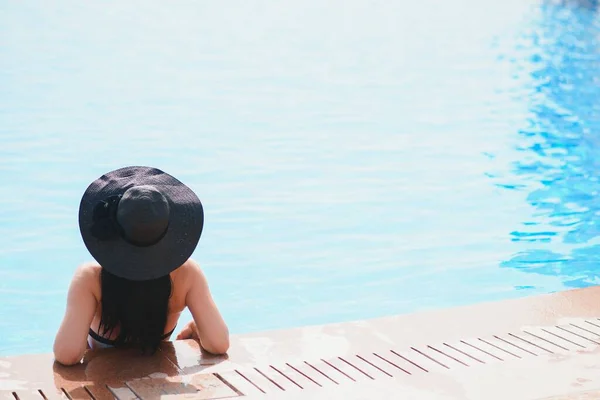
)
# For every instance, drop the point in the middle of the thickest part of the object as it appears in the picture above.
(286, 362)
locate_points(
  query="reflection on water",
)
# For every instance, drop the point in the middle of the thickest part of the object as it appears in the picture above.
(559, 150)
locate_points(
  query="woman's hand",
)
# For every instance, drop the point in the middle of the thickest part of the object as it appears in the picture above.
(189, 331)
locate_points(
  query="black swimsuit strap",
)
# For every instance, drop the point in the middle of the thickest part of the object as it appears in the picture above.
(101, 339)
(111, 342)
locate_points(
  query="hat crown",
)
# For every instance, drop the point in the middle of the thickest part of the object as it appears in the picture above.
(143, 215)
(140, 223)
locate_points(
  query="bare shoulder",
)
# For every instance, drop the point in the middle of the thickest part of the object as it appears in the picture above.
(89, 269)
(189, 270)
(87, 276)
(189, 275)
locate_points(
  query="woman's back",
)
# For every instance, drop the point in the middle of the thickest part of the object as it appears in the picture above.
(175, 306)
(84, 312)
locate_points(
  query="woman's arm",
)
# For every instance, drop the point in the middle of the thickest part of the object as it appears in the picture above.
(212, 332)
(71, 340)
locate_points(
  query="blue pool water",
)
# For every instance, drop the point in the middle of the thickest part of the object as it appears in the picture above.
(355, 158)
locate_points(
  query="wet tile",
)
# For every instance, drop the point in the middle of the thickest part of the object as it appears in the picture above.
(99, 368)
(309, 374)
(195, 396)
(295, 377)
(328, 372)
(472, 354)
(553, 340)
(242, 385)
(147, 389)
(29, 395)
(76, 392)
(114, 365)
(101, 392)
(189, 357)
(34, 372)
(589, 336)
(207, 385)
(203, 385)
(413, 360)
(266, 384)
(347, 370)
(383, 367)
(122, 393)
(400, 362)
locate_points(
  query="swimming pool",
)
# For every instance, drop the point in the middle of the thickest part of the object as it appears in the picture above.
(355, 159)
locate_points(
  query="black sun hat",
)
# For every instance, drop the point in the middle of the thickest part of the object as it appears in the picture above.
(140, 223)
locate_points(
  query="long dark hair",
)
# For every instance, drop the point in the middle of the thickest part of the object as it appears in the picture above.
(138, 308)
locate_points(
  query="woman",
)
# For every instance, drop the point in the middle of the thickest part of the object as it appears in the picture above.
(141, 225)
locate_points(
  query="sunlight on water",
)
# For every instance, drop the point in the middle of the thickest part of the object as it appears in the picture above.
(355, 159)
(558, 153)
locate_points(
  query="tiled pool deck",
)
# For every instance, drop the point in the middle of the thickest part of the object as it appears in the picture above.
(544, 347)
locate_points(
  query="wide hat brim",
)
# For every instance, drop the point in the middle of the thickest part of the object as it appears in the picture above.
(126, 260)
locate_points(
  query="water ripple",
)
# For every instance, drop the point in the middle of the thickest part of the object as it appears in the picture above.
(559, 156)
